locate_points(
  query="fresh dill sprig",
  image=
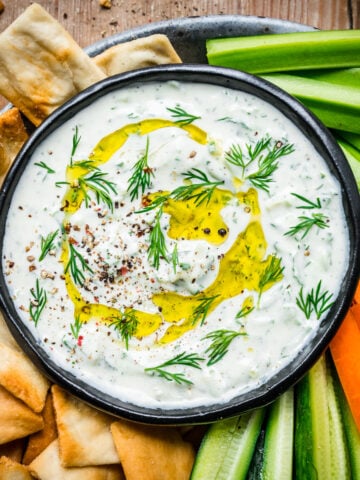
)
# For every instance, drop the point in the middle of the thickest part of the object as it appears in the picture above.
(87, 164)
(307, 223)
(272, 273)
(221, 340)
(47, 244)
(77, 266)
(126, 325)
(201, 311)
(183, 117)
(157, 202)
(189, 360)
(141, 176)
(308, 204)
(44, 166)
(201, 191)
(157, 243)
(97, 183)
(75, 143)
(316, 301)
(267, 160)
(76, 326)
(175, 257)
(244, 311)
(38, 302)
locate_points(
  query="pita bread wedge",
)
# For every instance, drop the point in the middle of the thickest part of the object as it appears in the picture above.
(6, 337)
(13, 135)
(17, 420)
(142, 52)
(154, 453)
(84, 433)
(41, 65)
(47, 466)
(10, 470)
(40, 440)
(21, 378)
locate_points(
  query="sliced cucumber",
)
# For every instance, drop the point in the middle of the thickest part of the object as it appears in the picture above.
(227, 448)
(279, 439)
(320, 446)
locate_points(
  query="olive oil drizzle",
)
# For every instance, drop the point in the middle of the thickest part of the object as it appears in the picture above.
(241, 268)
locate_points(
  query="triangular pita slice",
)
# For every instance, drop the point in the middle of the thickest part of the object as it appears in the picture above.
(47, 466)
(17, 420)
(143, 52)
(84, 432)
(13, 450)
(151, 452)
(10, 470)
(13, 135)
(40, 440)
(41, 65)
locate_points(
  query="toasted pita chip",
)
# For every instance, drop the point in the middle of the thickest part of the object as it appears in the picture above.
(17, 420)
(21, 378)
(84, 433)
(154, 453)
(40, 440)
(13, 135)
(142, 52)
(6, 337)
(13, 450)
(47, 466)
(10, 470)
(41, 65)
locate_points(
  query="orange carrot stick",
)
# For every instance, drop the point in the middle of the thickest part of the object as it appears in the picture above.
(355, 310)
(357, 295)
(345, 350)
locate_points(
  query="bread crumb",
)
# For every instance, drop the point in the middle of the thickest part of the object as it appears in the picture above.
(104, 3)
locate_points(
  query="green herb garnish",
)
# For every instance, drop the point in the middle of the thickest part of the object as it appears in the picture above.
(183, 117)
(308, 204)
(97, 183)
(221, 340)
(38, 302)
(157, 243)
(175, 257)
(126, 325)
(266, 157)
(76, 326)
(75, 142)
(189, 360)
(244, 311)
(307, 223)
(201, 311)
(316, 301)
(200, 192)
(77, 266)
(45, 167)
(47, 244)
(141, 177)
(272, 273)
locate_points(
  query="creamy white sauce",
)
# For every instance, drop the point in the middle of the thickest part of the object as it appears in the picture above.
(115, 246)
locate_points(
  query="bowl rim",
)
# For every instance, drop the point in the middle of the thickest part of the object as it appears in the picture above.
(289, 374)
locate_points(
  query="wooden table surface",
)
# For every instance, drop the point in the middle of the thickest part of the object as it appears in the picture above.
(88, 22)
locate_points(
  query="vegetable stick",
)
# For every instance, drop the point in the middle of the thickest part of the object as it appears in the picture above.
(346, 355)
(287, 51)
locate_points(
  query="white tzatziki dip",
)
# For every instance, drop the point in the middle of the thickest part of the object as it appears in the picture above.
(175, 244)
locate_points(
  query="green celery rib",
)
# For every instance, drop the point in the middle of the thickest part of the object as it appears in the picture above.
(339, 76)
(353, 157)
(351, 138)
(227, 448)
(287, 51)
(337, 107)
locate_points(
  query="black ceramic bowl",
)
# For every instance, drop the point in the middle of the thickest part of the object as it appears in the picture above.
(278, 383)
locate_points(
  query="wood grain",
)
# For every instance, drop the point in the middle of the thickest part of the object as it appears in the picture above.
(87, 21)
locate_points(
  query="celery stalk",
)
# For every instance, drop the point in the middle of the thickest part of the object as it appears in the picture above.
(351, 138)
(287, 51)
(353, 157)
(339, 76)
(337, 108)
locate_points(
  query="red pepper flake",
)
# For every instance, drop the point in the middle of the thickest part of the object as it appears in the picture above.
(124, 270)
(80, 340)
